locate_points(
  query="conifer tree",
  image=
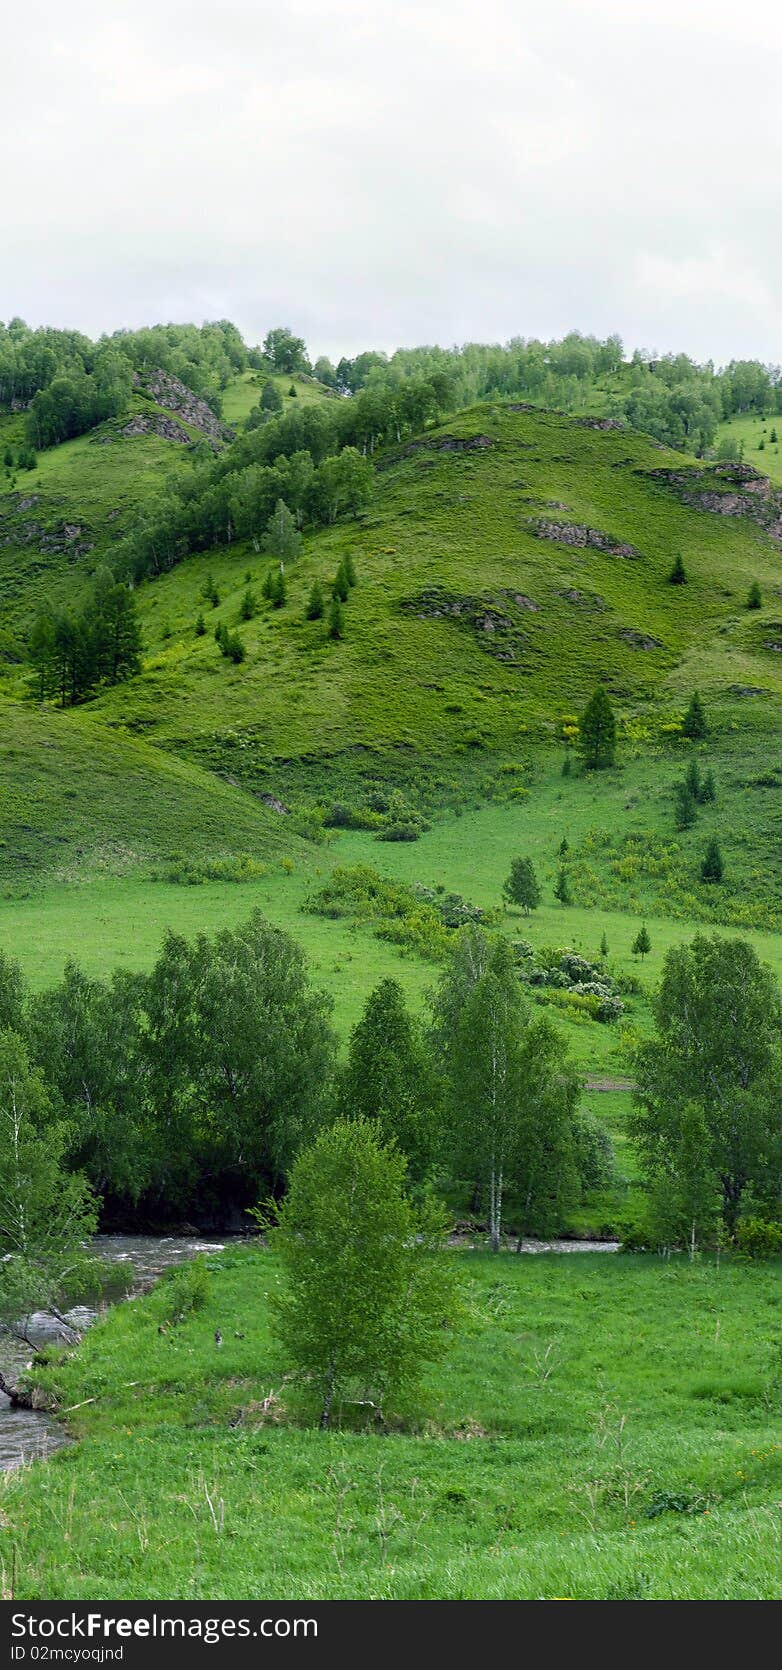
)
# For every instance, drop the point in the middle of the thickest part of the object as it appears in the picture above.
(562, 887)
(712, 868)
(678, 573)
(694, 721)
(754, 596)
(522, 887)
(642, 944)
(340, 587)
(708, 792)
(597, 732)
(315, 605)
(336, 619)
(684, 806)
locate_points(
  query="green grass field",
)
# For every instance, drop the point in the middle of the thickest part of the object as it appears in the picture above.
(749, 431)
(603, 1428)
(244, 392)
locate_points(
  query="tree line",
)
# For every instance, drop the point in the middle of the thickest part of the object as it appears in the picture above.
(671, 397)
(189, 1091)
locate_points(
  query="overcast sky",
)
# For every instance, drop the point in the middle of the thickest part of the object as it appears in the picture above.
(390, 174)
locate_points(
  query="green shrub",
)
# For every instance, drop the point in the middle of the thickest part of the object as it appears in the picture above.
(182, 1291)
(758, 1238)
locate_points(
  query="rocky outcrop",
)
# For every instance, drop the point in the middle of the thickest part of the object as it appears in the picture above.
(583, 599)
(174, 395)
(492, 621)
(597, 423)
(638, 640)
(451, 443)
(166, 427)
(582, 538)
(17, 528)
(726, 490)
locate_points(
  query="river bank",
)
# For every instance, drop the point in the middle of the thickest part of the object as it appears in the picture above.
(27, 1434)
(602, 1427)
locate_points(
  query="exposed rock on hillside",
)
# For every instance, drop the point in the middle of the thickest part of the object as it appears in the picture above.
(451, 443)
(639, 640)
(575, 534)
(727, 490)
(17, 527)
(583, 599)
(166, 427)
(492, 622)
(169, 392)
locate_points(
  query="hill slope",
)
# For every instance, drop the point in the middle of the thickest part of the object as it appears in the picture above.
(511, 560)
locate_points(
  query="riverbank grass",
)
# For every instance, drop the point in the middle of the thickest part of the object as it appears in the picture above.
(602, 1428)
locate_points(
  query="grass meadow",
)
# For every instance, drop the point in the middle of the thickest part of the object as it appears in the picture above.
(604, 1427)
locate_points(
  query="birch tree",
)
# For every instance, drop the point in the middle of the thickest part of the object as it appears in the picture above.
(46, 1214)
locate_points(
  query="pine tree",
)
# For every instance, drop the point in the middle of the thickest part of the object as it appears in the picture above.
(694, 721)
(562, 887)
(340, 586)
(267, 589)
(522, 887)
(390, 1080)
(200, 625)
(279, 589)
(603, 946)
(42, 653)
(712, 868)
(336, 619)
(708, 792)
(754, 596)
(692, 778)
(642, 944)
(350, 568)
(315, 605)
(685, 808)
(597, 732)
(678, 574)
(564, 847)
(249, 605)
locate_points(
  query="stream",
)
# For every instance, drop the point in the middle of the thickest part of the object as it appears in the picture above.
(26, 1434)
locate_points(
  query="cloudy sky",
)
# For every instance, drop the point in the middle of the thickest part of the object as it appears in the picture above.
(419, 171)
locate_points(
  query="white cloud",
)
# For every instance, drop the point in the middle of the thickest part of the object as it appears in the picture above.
(428, 171)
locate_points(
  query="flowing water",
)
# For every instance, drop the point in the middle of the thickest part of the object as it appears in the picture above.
(26, 1434)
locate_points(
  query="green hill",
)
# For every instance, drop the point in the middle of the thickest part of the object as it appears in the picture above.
(509, 562)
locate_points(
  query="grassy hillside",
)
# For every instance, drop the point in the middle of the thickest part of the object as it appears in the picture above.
(474, 623)
(475, 631)
(748, 432)
(78, 800)
(59, 521)
(635, 1460)
(243, 394)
